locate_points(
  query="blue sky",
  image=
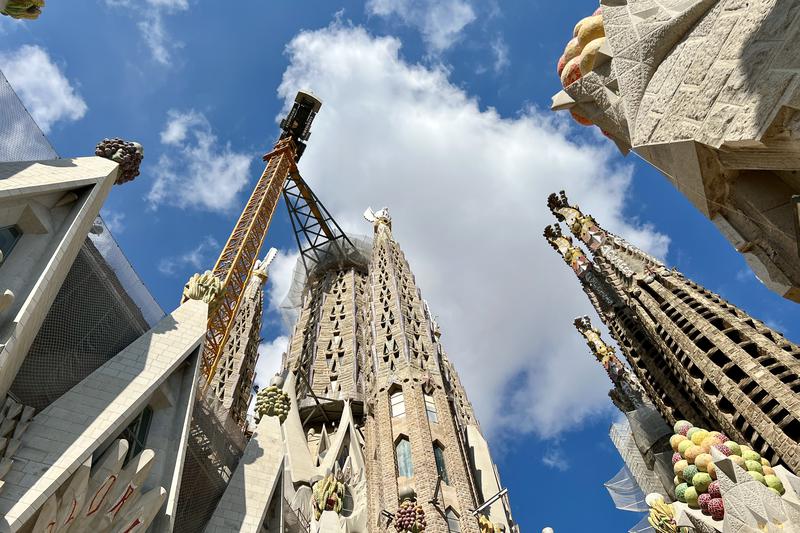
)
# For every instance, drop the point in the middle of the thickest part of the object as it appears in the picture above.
(438, 109)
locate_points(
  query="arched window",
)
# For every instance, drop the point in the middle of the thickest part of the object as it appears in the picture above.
(453, 525)
(430, 408)
(398, 403)
(402, 450)
(438, 453)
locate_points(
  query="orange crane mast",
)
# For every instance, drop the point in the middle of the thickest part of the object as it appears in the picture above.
(236, 261)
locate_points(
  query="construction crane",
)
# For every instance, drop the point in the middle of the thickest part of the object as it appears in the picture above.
(235, 264)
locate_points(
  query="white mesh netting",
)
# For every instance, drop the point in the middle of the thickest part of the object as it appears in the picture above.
(21, 139)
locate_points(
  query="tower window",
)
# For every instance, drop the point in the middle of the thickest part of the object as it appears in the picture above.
(438, 453)
(453, 525)
(398, 404)
(402, 450)
(430, 408)
(9, 235)
(136, 433)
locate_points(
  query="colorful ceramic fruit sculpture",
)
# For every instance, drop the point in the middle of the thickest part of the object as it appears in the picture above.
(128, 155)
(328, 495)
(409, 518)
(580, 53)
(272, 401)
(694, 468)
(23, 9)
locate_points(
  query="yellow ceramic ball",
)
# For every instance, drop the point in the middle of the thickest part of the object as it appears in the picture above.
(678, 467)
(683, 446)
(765, 462)
(675, 440)
(738, 459)
(712, 470)
(702, 461)
(692, 453)
(698, 436)
(768, 471)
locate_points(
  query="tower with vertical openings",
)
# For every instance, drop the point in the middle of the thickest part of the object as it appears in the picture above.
(698, 357)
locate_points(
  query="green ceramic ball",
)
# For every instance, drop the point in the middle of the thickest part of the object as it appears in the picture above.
(774, 483)
(680, 492)
(692, 432)
(689, 472)
(750, 455)
(734, 447)
(684, 445)
(679, 467)
(701, 481)
(758, 477)
(774, 490)
(691, 497)
(754, 466)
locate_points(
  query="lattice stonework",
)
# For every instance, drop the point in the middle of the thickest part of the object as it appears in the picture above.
(700, 357)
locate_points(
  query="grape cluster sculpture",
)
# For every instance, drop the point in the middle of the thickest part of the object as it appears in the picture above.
(410, 518)
(328, 495)
(272, 401)
(23, 9)
(128, 155)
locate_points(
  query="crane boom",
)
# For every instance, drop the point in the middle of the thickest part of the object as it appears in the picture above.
(236, 261)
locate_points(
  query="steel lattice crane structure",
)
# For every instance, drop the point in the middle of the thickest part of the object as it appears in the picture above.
(235, 263)
(316, 232)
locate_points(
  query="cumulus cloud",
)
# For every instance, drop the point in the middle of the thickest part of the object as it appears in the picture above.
(467, 189)
(198, 257)
(115, 220)
(42, 86)
(500, 52)
(270, 354)
(439, 21)
(196, 170)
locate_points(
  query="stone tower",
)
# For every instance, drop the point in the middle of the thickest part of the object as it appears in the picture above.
(368, 413)
(697, 356)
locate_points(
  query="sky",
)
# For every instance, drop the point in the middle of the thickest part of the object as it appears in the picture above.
(438, 109)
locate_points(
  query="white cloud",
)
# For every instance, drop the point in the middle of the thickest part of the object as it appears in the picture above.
(500, 52)
(151, 25)
(42, 86)
(196, 170)
(269, 359)
(555, 458)
(199, 257)
(115, 221)
(467, 189)
(439, 21)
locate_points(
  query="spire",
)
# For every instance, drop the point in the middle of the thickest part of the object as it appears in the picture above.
(572, 255)
(625, 258)
(261, 268)
(628, 393)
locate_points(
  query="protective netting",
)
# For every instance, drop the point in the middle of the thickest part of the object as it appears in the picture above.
(20, 137)
(91, 320)
(336, 259)
(643, 526)
(216, 443)
(625, 492)
(128, 278)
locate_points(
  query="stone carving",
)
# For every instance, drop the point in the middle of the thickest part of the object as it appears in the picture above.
(662, 515)
(128, 155)
(107, 498)
(14, 420)
(205, 287)
(22, 9)
(272, 401)
(705, 90)
(628, 393)
(6, 299)
(572, 255)
(378, 217)
(261, 268)
(410, 517)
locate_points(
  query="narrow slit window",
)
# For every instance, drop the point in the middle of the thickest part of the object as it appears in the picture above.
(441, 468)
(9, 235)
(430, 408)
(405, 468)
(398, 404)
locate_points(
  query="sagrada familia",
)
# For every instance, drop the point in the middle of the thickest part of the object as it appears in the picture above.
(118, 417)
